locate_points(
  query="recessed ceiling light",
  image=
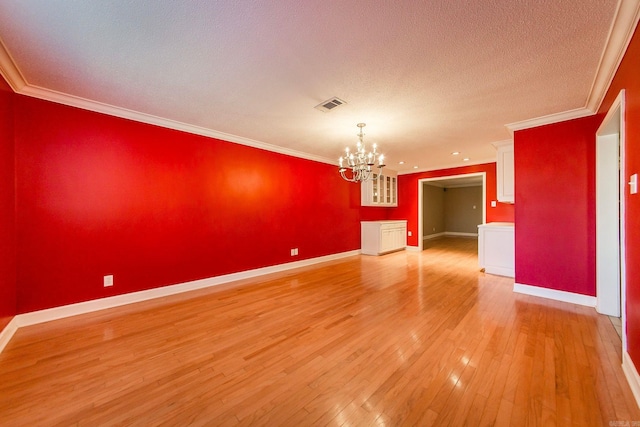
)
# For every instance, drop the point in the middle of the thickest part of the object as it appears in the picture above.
(415, 167)
(455, 153)
(466, 159)
(401, 163)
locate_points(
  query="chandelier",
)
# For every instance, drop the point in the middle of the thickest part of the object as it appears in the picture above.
(360, 162)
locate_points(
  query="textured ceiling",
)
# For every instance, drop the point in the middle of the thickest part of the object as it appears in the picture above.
(427, 77)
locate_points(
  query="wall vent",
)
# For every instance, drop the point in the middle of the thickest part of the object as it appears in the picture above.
(329, 104)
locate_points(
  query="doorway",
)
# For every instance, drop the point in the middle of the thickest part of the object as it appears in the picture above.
(610, 208)
(451, 180)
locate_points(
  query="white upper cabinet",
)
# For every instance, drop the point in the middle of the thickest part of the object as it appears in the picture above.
(381, 190)
(505, 172)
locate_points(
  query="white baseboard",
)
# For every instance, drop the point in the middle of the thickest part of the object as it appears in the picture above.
(55, 313)
(631, 373)
(7, 333)
(449, 233)
(456, 234)
(554, 294)
(500, 271)
(433, 236)
(413, 248)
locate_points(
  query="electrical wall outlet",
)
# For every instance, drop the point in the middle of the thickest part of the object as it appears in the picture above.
(108, 281)
(294, 252)
(409, 233)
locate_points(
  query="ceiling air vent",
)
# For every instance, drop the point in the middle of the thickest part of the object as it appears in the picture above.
(329, 104)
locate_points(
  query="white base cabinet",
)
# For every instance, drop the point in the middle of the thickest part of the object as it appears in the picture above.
(496, 248)
(380, 237)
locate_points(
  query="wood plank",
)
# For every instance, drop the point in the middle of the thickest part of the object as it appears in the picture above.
(402, 339)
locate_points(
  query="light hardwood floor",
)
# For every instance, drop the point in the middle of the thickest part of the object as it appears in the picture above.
(404, 339)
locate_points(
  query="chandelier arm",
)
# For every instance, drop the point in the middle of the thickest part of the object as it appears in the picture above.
(344, 176)
(359, 161)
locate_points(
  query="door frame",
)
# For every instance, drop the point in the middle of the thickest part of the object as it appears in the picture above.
(611, 131)
(442, 178)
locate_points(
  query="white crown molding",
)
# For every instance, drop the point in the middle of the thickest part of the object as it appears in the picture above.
(111, 110)
(10, 71)
(555, 294)
(624, 25)
(622, 29)
(456, 166)
(503, 143)
(18, 83)
(549, 119)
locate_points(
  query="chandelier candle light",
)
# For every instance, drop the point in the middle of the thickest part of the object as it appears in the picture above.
(361, 161)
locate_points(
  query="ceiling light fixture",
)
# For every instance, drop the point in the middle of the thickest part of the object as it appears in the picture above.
(455, 153)
(466, 159)
(360, 162)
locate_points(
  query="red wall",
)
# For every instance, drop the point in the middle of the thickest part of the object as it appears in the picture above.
(408, 197)
(100, 195)
(555, 209)
(628, 78)
(8, 302)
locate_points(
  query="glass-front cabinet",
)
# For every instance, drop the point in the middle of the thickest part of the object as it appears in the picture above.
(381, 190)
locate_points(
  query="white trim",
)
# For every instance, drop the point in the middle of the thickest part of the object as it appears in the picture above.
(623, 214)
(433, 236)
(457, 234)
(549, 119)
(622, 28)
(448, 233)
(439, 178)
(608, 125)
(55, 313)
(18, 83)
(500, 271)
(631, 373)
(614, 124)
(448, 166)
(9, 71)
(413, 248)
(111, 110)
(608, 192)
(503, 143)
(7, 333)
(555, 294)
